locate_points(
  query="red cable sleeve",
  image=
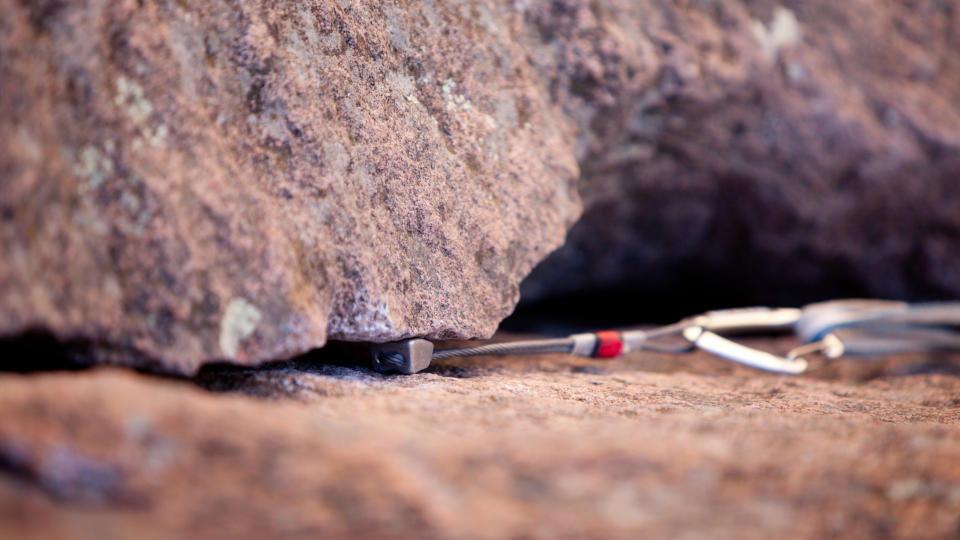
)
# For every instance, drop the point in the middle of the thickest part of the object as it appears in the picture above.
(609, 345)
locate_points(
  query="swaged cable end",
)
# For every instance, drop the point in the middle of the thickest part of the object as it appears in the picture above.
(405, 356)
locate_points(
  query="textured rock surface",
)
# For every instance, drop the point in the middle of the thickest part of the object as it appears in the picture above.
(788, 151)
(220, 180)
(201, 180)
(548, 447)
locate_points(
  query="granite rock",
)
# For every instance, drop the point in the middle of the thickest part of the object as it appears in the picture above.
(748, 152)
(515, 447)
(197, 181)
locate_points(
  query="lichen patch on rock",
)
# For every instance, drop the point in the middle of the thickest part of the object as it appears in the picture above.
(239, 321)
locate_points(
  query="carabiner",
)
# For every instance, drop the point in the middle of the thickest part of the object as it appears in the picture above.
(716, 344)
(702, 333)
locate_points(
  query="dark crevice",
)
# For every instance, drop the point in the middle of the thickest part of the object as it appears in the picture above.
(691, 289)
(337, 358)
(37, 350)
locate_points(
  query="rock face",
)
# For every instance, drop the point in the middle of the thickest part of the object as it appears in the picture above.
(196, 181)
(192, 181)
(750, 152)
(543, 447)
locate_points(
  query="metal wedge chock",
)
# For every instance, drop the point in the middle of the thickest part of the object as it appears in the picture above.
(405, 356)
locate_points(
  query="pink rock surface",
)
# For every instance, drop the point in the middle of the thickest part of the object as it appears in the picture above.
(194, 181)
(762, 151)
(541, 447)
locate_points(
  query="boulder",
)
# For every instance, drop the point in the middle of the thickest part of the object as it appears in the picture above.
(197, 181)
(747, 152)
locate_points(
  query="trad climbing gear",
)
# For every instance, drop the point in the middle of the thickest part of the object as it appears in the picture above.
(834, 329)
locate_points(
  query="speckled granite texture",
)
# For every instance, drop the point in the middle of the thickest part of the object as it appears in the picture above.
(186, 182)
(537, 447)
(196, 181)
